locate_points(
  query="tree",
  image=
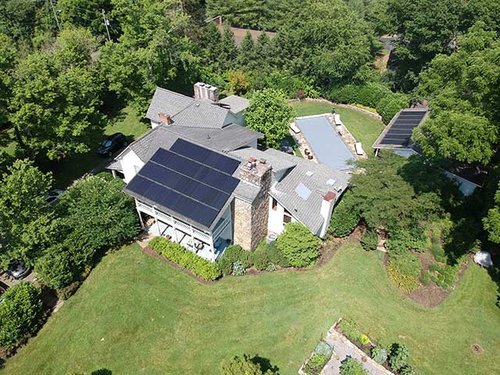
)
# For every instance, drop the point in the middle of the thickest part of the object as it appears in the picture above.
(345, 216)
(270, 114)
(299, 246)
(461, 90)
(326, 41)
(350, 366)
(491, 222)
(7, 60)
(56, 268)
(86, 14)
(56, 96)
(26, 222)
(153, 50)
(98, 215)
(246, 52)
(20, 313)
(399, 356)
(243, 366)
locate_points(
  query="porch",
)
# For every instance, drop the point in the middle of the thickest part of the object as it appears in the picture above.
(209, 245)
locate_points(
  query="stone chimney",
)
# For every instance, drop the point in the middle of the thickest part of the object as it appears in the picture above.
(326, 211)
(165, 119)
(250, 218)
(204, 91)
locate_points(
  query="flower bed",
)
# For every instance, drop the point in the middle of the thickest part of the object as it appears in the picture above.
(318, 359)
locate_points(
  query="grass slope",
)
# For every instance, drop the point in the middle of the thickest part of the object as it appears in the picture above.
(137, 315)
(363, 127)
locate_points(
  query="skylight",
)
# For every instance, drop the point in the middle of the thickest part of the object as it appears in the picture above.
(302, 191)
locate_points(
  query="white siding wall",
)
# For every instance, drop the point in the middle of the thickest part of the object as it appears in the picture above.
(154, 124)
(275, 220)
(131, 164)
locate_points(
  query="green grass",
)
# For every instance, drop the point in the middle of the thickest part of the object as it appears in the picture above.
(137, 315)
(362, 126)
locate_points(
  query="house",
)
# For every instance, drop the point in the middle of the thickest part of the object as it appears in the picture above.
(397, 137)
(205, 110)
(207, 187)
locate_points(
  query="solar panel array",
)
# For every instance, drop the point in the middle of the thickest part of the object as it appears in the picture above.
(401, 129)
(190, 180)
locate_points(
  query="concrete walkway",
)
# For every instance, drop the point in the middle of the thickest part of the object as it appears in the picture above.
(342, 348)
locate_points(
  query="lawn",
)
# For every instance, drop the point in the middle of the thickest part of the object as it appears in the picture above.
(363, 127)
(137, 315)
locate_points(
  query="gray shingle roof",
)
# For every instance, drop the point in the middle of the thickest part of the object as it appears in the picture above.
(186, 111)
(277, 159)
(168, 102)
(236, 103)
(314, 177)
(227, 139)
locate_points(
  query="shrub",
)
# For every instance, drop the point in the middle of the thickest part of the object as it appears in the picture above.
(379, 354)
(407, 370)
(242, 365)
(407, 239)
(234, 254)
(276, 256)
(391, 104)
(364, 339)
(345, 217)
(186, 259)
(404, 269)
(261, 258)
(323, 348)
(238, 269)
(20, 313)
(55, 268)
(299, 245)
(438, 252)
(350, 366)
(316, 363)
(444, 276)
(369, 241)
(399, 356)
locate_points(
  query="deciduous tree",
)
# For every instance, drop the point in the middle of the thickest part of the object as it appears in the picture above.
(298, 245)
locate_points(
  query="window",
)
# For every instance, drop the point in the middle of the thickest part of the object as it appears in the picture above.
(274, 204)
(287, 218)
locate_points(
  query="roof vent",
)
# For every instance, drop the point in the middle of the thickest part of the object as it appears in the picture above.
(330, 182)
(262, 161)
(309, 173)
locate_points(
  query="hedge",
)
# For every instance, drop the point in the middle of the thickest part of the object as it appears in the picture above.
(234, 254)
(186, 259)
(345, 217)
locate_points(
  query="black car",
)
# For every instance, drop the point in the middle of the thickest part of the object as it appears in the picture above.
(18, 270)
(112, 144)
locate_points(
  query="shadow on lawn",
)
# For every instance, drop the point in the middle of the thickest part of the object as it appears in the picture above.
(265, 364)
(102, 371)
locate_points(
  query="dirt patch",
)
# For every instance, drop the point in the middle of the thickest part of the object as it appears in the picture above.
(477, 349)
(429, 296)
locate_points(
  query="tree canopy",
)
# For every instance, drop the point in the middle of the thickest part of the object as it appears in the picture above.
(270, 114)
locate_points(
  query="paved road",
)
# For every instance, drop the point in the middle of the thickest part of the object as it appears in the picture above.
(343, 348)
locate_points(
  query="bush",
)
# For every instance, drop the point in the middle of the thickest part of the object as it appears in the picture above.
(276, 256)
(299, 245)
(379, 354)
(345, 217)
(404, 270)
(403, 240)
(238, 269)
(234, 254)
(55, 268)
(444, 276)
(242, 365)
(261, 258)
(407, 370)
(20, 314)
(316, 363)
(364, 339)
(68, 291)
(369, 94)
(369, 241)
(185, 258)
(399, 356)
(438, 252)
(391, 104)
(323, 348)
(350, 366)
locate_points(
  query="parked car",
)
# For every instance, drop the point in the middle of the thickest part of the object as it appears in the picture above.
(112, 144)
(53, 196)
(18, 270)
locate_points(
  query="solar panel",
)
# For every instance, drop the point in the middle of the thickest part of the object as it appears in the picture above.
(191, 180)
(402, 127)
(205, 156)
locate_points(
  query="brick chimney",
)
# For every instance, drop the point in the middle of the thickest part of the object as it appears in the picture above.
(165, 119)
(250, 218)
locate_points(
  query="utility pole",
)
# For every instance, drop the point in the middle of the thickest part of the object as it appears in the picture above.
(55, 14)
(106, 23)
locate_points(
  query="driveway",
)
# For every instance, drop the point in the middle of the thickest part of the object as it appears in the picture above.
(343, 348)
